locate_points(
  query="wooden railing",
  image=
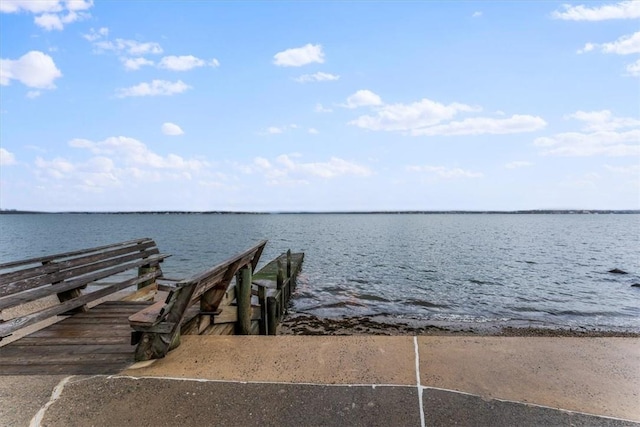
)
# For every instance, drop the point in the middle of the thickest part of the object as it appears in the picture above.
(157, 328)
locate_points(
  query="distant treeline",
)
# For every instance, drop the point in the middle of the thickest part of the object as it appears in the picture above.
(533, 211)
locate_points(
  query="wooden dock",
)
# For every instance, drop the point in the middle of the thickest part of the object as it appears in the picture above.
(227, 299)
(95, 342)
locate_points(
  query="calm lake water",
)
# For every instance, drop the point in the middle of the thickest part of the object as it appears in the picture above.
(511, 269)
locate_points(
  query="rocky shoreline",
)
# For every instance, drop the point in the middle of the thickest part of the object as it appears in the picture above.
(305, 324)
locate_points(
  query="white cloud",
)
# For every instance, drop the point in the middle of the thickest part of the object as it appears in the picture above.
(132, 152)
(119, 161)
(184, 63)
(579, 144)
(444, 172)
(476, 14)
(625, 45)
(129, 47)
(287, 171)
(363, 98)
(135, 63)
(603, 120)
(33, 69)
(599, 136)
(485, 125)
(633, 69)
(319, 108)
(7, 158)
(625, 170)
(15, 6)
(171, 129)
(333, 168)
(297, 57)
(154, 88)
(317, 77)
(56, 168)
(95, 35)
(518, 164)
(414, 116)
(51, 21)
(51, 14)
(621, 10)
(275, 130)
(33, 94)
(313, 131)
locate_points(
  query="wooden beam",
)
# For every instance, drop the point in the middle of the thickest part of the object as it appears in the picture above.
(243, 287)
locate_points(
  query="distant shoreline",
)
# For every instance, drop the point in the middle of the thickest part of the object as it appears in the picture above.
(417, 212)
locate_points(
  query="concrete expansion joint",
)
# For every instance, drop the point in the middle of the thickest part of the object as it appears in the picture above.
(208, 380)
(533, 405)
(55, 394)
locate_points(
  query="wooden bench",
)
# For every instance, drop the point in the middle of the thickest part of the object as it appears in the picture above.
(157, 328)
(76, 278)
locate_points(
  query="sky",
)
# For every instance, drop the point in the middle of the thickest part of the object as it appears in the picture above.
(319, 106)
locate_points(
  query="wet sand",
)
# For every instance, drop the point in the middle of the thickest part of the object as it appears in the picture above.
(304, 324)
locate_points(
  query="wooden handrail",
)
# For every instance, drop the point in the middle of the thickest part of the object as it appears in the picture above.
(206, 288)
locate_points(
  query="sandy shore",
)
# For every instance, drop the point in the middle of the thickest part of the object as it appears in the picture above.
(304, 324)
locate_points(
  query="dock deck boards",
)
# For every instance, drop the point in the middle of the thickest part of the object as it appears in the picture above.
(96, 342)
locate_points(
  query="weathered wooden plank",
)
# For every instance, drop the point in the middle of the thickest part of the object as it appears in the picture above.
(53, 341)
(13, 287)
(25, 350)
(221, 329)
(69, 267)
(87, 334)
(88, 326)
(255, 328)
(145, 294)
(106, 321)
(229, 314)
(65, 359)
(18, 263)
(14, 299)
(156, 345)
(20, 322)
(147, 316)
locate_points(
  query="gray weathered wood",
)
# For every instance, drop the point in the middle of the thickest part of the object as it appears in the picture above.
(44, 259)
(272, 321)
(10, 326)
(262, 299)
(188, 292)
(243, 286)
(68, 266)
(20, 298)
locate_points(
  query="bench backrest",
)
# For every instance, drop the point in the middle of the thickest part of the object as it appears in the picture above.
(126, 264)
(161, 322)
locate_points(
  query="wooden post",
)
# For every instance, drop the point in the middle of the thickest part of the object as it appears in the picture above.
(145, 269)
(69, 295)
(243, 296)
(280, 276)
(280, 287)
(288, 263)
(262, 298)
(272, 321)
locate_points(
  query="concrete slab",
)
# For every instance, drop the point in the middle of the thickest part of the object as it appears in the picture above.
(290, 359)
(445, 408)
(103, 401)
(21, 397)
(592, 375)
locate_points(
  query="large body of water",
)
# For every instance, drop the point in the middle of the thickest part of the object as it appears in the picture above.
(536, 270)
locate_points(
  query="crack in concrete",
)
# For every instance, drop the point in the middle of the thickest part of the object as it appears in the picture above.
(55, 394)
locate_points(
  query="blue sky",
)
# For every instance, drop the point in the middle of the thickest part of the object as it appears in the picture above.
(319, 106)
